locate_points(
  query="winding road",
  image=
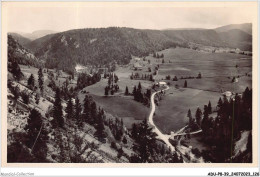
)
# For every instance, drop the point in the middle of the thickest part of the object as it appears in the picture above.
(163, 137)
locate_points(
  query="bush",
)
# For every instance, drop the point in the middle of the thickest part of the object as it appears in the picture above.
(25, 97)
(173, 142)
(124, 140)
(16, 152)
(196, 152)
(120, 153)
(113, 145)
(184, 143)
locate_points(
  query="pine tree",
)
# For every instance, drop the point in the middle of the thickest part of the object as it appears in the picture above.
(185, 84)
(93, 113)
(145, 142)
(209, 108)
(100, 128)
(69, 109)
(36, 135)
(16, 71)
(139, 86)
(106, 90)
(199, 76)
(220, 102)
(78, 109)
(206, 112)
(34, 124)
(189, 115)
(16, 92)
(151, 78)
(37, 98)
(134, 131)
(87, 109)
(198, 116)
(126, 91)
(134, 91)
(124, 140)
(30, 82)
(58, 120)
(205, 123)
(40, 80)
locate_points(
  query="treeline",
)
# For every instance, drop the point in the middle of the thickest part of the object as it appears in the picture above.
(85, 80)
(168, 77)
(234, 115)
(136, 76)
(112, 85)
(156, 55)
(139, 96)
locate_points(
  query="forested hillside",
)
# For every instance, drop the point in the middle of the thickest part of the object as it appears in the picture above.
(96, 46)
(103, 46)
(17, 53)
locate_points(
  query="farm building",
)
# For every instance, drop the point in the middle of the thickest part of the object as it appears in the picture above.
(137, 66)
(227, 93)
(102, 70)
(137, 59)
(161, 83)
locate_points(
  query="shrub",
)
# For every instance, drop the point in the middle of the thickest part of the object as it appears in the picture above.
(124, 140)
(25, 97)
(113, 145)
(196, 152)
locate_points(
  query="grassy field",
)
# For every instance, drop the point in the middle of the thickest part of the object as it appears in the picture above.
(122, 107)
(171, 114)
(217, 69)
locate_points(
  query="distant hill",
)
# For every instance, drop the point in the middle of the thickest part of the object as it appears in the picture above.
(204, 37)
(237, 35)
(237, 38)
(246, 27)
(19, 38)
(37, 34)
(100, 46)
(104, 46)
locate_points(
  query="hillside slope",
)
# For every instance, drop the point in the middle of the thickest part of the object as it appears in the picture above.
(17, 53)
(20, 39)
(104, 46)
(204, 37)
(246, 27)
(96, 46)
(37, 34)
(237, 39)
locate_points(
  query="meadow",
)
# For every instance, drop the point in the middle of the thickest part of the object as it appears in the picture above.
(217, 71)
(171, 114)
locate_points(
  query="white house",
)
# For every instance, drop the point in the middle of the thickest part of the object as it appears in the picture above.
(161, 83)
(227, 93)
(137, 66)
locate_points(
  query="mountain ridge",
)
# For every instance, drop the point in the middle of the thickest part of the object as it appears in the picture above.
(103, 46)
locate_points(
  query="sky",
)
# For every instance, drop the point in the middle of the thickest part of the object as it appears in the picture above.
(61, 17)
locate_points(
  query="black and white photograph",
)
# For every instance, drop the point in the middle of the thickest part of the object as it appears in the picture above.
(119, 82)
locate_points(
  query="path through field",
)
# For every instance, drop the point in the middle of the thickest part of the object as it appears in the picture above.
(163, 137)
